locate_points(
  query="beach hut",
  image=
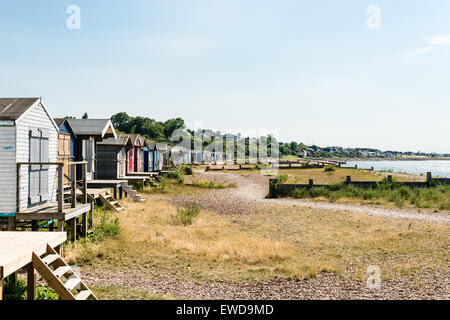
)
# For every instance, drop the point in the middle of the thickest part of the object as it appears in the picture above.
(27, 134)
(87, 133)
(163, 156)
(112, 157)
(66, 141)
(150, 157)
(135, 154)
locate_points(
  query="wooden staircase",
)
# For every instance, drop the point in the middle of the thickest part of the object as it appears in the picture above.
(61, 277)
(132, 193)
(110, 202)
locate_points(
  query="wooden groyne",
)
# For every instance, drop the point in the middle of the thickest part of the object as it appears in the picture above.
(277, 189)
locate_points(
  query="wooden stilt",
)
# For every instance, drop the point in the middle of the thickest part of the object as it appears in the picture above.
(73, 226)
(31, 282)
(1, 283)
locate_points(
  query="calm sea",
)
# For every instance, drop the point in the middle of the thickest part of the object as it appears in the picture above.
(436, 167)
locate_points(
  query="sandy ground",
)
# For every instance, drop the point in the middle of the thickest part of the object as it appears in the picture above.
(247, 197)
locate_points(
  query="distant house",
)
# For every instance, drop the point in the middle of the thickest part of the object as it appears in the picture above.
(303, 153)
(112, 157)
(88, 132)
(27, 134)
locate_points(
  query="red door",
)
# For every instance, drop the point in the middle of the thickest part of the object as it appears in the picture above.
(130, 160)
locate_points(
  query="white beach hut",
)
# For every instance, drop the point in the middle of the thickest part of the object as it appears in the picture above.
(27, 134)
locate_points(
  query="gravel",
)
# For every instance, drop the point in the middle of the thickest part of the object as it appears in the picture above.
(327, 286)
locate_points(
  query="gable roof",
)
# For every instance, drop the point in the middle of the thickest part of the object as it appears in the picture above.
(122, 140)
(102, 128)
(60, 121)
(13, 108)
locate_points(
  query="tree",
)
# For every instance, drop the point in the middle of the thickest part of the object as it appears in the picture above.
(85, 116)
(121, 121)
(171, 125)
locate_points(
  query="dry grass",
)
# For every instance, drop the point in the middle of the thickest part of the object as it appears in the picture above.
(292, 243)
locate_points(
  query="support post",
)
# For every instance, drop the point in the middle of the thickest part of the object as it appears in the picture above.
(349, 179)
(60, 188)
(73, 177)
(31, 282)
(1, 283)
(311, 182)
(84, 224)
(84, 178)
(61, 225)
(429, 177)
(273, 188)
(92, 213)
(390, 178)
(73, 226)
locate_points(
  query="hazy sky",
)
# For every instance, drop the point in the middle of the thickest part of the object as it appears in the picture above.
(312, 69)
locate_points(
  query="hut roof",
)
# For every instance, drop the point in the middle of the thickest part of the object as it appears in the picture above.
(93, 127)
(13, 108)
(122, 140)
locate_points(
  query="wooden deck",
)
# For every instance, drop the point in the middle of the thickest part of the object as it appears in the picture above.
(144, 174)
(16, 252)
(49, 211)
(17, 247)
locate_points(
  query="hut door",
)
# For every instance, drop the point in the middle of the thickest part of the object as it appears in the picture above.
(64, 153)
(38, 174)
(88, 156)
(130, 159)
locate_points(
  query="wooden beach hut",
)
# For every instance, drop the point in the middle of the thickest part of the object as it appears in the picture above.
(135, 154)
(66, 141)
(112, 157)
(88, 132)
(27, 134)
(163, 160)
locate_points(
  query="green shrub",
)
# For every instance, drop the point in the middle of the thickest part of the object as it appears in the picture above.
(185, 216)
(188, 171)
(300, 193)
(15, 290)
(208, 184)
(282, 178)
(329, 168)
(46, 293)
(137, 185)
(175, 175)
(109, 226)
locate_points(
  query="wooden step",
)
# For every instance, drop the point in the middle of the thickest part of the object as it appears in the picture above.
(49, 259)
(73, 289)
(110, 202)
(72, 283)
(83, 295)
(59, 272)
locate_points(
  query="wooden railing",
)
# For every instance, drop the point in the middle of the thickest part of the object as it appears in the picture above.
(74, 184)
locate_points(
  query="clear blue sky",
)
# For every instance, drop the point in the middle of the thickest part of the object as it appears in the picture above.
(311, 69)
